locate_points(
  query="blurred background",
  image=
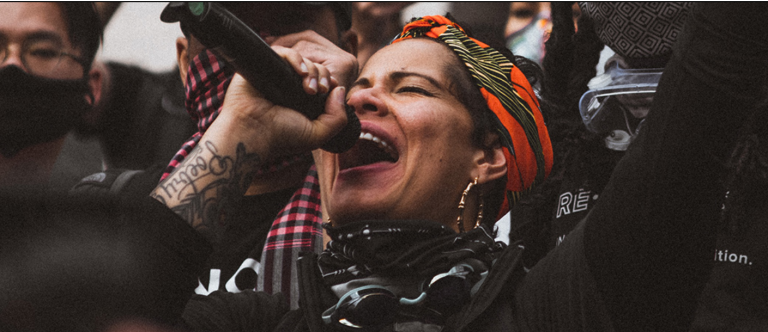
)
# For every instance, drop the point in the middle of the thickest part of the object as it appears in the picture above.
(136, 36)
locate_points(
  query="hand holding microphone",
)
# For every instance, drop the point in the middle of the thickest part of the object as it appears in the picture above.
(254, 59)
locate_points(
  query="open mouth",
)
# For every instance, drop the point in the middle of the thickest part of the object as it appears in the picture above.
(368, 150)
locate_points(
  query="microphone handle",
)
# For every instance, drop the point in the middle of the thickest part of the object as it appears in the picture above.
(250, 56)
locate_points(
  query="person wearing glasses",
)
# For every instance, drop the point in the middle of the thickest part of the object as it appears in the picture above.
(74, 263)
(45, 87)
(452, 137)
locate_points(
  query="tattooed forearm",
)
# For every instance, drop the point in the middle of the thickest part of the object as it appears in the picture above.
(206, 187)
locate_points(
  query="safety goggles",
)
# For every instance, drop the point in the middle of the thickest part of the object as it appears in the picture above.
(619, 99)
(372, 307)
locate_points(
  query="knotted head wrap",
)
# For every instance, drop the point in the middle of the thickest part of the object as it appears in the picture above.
(508, 95)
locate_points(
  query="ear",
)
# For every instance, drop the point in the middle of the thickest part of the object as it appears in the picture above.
(97, 81)
(349, 42)
(490, 162)
(182, 58)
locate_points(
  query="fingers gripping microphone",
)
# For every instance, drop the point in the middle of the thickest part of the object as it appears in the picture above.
(250, 56)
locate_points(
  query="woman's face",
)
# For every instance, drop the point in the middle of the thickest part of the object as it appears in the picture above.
(416, 156)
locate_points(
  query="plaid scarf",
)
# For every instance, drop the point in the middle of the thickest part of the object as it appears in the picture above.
(297, 227)
(207, 81)
(509, 97)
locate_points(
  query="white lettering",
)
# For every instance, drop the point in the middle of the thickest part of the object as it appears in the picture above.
(249, 263)
(581, 201)
(213, 283)
(724, 256)
(565, 200)
(560, 239)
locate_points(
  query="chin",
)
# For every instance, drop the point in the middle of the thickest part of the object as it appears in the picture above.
(344, 218)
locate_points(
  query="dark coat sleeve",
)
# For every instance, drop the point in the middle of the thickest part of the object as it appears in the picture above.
(645, 247)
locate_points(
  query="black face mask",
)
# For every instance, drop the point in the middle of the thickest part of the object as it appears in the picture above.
(35, 110)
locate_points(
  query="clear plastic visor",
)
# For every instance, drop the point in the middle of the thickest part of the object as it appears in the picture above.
(618, 99)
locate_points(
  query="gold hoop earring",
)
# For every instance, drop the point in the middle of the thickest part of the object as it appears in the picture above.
(479, 209)
(462, 205)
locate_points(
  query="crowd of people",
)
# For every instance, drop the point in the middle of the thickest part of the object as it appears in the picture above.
(615, 147)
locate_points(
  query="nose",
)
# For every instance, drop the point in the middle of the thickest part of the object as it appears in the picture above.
(367, 101)
(12, 56)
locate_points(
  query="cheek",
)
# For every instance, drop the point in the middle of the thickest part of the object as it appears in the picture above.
(441, 123)
(440, 142)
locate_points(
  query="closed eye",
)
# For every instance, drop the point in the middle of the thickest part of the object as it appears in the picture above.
(413, 89)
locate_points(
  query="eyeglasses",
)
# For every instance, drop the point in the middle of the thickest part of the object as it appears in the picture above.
(372, 307)
(42, 56)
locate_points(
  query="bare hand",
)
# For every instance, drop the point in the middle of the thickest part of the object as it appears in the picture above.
(278, 130)
(342, 65)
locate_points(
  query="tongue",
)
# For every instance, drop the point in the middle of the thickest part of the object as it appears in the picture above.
(364, 152)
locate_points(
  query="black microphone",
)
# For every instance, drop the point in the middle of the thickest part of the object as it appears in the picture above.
(229, 38)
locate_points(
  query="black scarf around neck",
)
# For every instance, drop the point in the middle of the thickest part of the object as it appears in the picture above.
(398, 248)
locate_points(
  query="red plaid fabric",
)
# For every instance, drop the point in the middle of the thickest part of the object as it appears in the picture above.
(297, 228)
(207, 83)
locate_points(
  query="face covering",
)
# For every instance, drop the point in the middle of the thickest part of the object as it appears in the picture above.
(529, 41)
(35, 110)
(207, 81)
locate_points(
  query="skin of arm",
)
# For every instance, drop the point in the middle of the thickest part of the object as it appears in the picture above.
(250, 130)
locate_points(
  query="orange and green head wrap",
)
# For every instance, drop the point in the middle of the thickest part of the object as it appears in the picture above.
(508, 95)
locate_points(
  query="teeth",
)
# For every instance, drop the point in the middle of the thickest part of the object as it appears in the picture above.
(380, 142)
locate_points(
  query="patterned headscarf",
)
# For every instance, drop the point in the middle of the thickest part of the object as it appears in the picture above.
(508, 95)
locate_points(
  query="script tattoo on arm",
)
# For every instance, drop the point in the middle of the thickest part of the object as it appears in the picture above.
(206, 187)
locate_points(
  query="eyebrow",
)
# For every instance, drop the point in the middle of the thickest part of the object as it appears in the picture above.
(45, 35)
(360, 82)
(397, 76)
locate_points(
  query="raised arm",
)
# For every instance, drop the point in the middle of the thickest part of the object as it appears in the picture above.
(649, 241)
(249, 130)
(641, 257)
